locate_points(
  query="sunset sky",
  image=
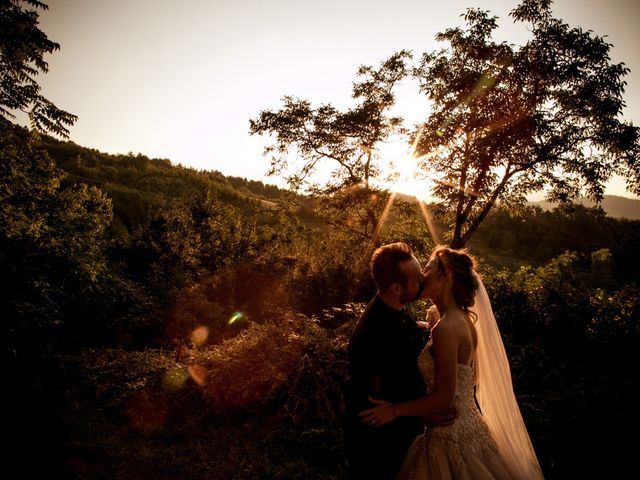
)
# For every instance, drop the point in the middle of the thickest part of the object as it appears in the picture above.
(180, 80)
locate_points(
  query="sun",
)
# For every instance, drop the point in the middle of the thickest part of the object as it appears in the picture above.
(401, 170)
(403, 175)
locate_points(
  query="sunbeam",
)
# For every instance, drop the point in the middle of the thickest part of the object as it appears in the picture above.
(431, 225)
(406, 177)
(383, 217)
(486, 82)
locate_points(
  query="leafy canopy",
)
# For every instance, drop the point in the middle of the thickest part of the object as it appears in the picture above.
(346, 139)
(22, 49)
(505, 121)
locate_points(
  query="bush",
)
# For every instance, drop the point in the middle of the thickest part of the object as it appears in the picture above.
(570, 346)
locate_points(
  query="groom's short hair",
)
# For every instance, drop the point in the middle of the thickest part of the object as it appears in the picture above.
(385, 265)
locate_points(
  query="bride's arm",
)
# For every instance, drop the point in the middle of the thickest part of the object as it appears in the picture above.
(445, 352)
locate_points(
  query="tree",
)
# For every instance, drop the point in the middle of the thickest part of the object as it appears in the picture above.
(22, 49)
(348, 140)
(52, 244)
(505, 121)
(510, 121)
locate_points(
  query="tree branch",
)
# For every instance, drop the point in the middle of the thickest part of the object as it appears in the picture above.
(485, 211)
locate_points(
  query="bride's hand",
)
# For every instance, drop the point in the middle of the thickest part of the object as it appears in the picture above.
(380, 415)
(433, 315)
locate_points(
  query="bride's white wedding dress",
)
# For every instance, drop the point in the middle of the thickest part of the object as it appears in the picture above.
(464, 450)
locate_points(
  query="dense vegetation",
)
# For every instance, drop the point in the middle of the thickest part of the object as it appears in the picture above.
(164, 322)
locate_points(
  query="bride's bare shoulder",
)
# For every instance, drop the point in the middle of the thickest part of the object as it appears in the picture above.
(445, 329)
(450, 327)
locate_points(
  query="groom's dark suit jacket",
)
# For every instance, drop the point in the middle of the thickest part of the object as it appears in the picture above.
(383, 352)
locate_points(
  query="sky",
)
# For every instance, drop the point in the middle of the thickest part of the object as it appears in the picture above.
(181, 80)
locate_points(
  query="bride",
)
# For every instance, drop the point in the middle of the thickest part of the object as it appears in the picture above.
(465, 350)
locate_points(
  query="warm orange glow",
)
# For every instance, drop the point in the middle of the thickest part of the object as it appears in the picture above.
(198, 373)
(200, 335)
(405, 177)
(404, 174)
(383, 217)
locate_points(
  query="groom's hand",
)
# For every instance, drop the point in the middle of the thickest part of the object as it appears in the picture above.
(380, 415)
(441, 419)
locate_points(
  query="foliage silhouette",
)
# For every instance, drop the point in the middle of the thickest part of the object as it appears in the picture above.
(22, 49)
(505, 121)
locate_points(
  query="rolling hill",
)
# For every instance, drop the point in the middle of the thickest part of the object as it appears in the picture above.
(615, 206)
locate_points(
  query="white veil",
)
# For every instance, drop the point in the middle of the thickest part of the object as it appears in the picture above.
(494, 392)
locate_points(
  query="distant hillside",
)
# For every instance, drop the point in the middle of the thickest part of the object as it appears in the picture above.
(139, 185)
(614, 206)
(152, 175)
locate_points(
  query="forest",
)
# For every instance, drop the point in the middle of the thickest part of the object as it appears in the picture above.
(163, 321)
(166, 322)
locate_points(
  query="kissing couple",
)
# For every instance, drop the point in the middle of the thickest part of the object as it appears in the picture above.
(436, 405)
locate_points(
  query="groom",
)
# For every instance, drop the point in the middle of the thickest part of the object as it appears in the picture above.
(383, 352)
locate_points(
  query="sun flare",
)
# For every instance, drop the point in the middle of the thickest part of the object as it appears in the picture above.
(403, 173)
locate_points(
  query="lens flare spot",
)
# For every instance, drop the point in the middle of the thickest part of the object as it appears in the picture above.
(174, 380)
(235, 317)
(198, 373)
(200, 335)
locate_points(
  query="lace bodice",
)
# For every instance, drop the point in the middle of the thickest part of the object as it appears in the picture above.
(464, 450)
(464, 395)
